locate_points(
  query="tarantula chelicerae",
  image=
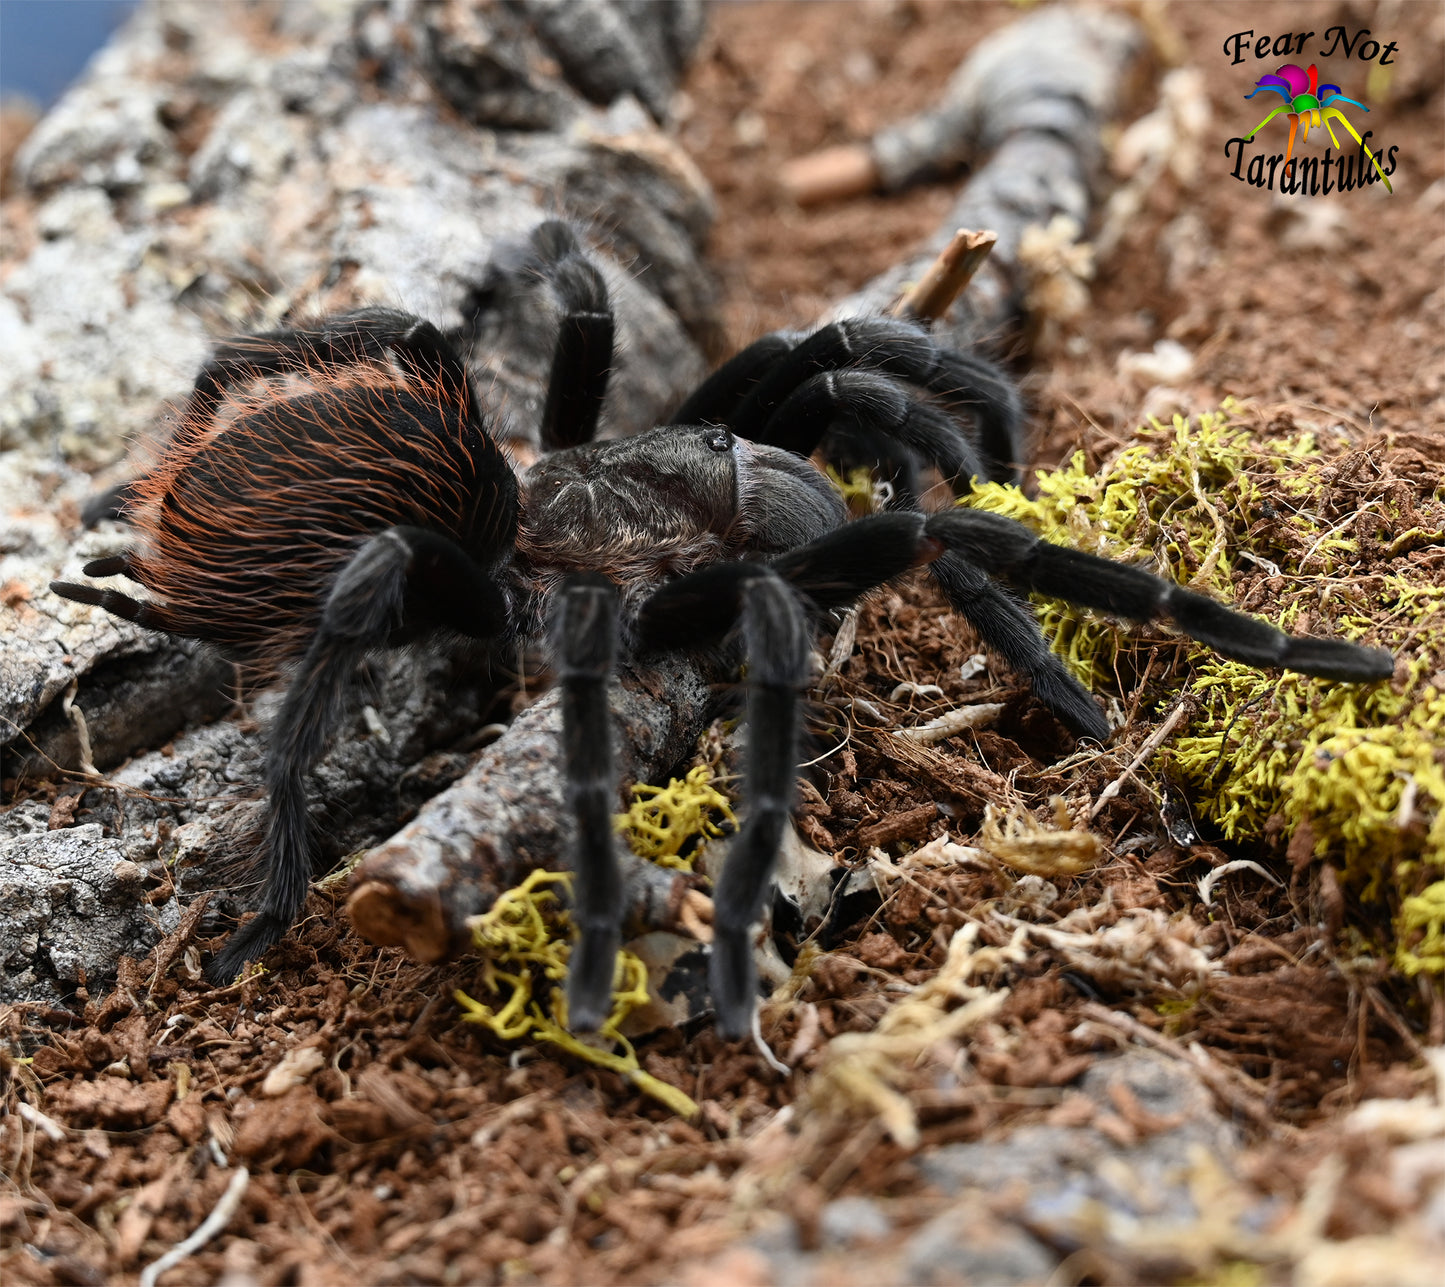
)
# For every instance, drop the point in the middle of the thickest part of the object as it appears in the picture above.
(332, 490)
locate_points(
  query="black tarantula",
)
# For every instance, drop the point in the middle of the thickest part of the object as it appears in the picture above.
(334, 489)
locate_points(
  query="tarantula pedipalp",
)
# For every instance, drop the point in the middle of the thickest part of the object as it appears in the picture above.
(334, 490)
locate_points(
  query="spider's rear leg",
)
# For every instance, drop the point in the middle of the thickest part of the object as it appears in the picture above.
(582, 358)
(585, 641)
(109, 504)
(151, 616)
(553, 264)
(403, 580)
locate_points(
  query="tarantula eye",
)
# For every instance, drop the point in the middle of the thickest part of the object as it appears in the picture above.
(719, 440)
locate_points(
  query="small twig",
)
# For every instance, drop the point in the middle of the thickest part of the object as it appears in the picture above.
(1207, 883)
(1149, 746)
(945, 279)
(52, 1129)
(769, 1058)
(219, 1218)
(979, 715)
(82, 729)
(833, 172)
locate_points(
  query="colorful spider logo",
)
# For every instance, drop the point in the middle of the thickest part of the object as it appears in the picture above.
(1308, 102)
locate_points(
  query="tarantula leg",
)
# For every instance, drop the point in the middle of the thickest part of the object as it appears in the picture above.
(836, 569)
(1000, 545)
(149, 615)
(401, 573)
(364, 335)
(876, 408)
(551, 264)
(115, 565)
(963, 383)
(582, 357)
(715, 400)
(109, 504)
(1010, 630)
(775, 638)
(775, 641)
(585, 639)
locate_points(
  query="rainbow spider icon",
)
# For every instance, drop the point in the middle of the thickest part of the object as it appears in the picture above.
(1308, 102)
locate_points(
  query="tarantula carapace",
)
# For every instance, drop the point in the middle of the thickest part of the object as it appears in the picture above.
(335, 489)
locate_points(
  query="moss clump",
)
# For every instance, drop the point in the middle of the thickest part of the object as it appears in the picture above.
(526, 939)
(663, 821)
(1319, 545)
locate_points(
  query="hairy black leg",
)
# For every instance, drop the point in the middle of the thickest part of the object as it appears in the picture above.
(834, 571)
(550, 273)
(109, 504)
(152, 616)
(365, 609)
(831, 572)
(364, 335)
(837, 569)
(697, 610)
(716, 398)
(582, 357)
(585, 644)
(999, 545)
(874, 405)
(115, 565)
(1008, 629)
(775, 640)
(964, 384)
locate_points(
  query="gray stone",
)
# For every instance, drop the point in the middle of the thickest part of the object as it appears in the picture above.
(1060, 1170)
(846, 1221)
(968, 1244)
(73, 907)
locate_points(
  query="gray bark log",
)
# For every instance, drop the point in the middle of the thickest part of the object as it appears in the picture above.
(1027, 105)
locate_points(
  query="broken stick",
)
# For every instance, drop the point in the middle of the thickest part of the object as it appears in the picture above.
(945, 279)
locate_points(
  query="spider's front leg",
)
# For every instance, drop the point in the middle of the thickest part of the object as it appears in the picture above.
(882, 378)
(706, 605)
(775, 639)
(584, 637)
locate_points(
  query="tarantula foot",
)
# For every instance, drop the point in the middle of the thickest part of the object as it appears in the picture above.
(734, 982)
(589, 978)
(245, 945)
(1338, 659)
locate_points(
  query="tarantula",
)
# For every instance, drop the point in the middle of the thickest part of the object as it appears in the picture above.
(334, 489)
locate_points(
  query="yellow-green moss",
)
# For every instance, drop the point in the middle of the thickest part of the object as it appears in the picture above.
(1363, 765)
(662, 820)
(525, 939)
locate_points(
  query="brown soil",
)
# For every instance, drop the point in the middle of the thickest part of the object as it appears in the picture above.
(422, 1150)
